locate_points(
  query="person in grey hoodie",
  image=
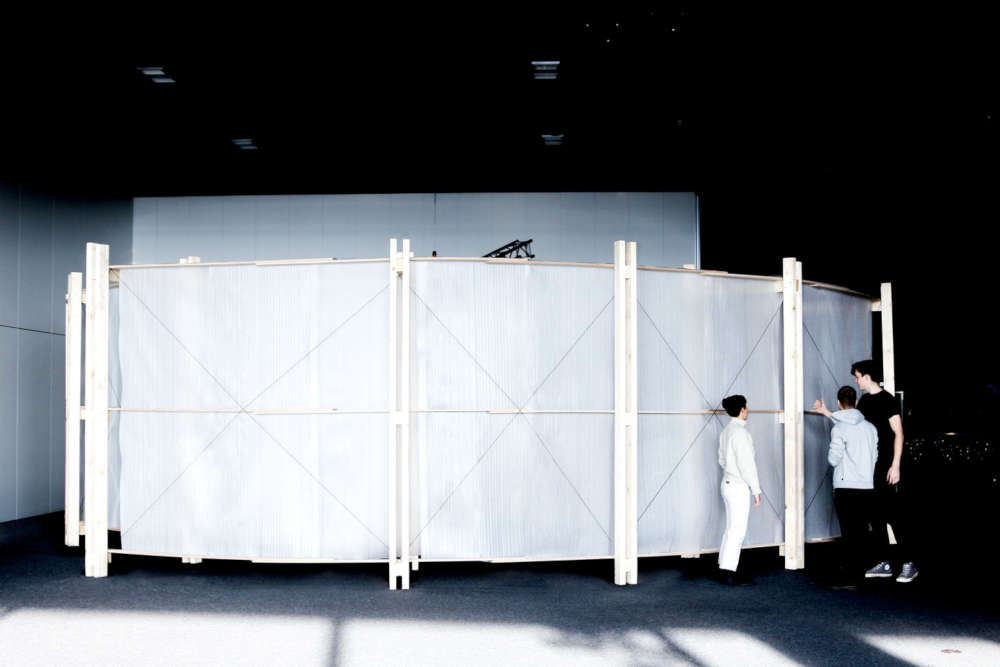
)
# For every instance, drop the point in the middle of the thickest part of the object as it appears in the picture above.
(853, 453)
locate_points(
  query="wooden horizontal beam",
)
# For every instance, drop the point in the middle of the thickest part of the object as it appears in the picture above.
(261, 262)
(491, 411)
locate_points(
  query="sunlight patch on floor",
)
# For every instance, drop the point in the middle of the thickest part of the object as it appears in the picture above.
(63, 636)
(725, 647)
(937, 650)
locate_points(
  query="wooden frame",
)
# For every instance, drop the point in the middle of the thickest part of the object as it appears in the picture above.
(74, 331)
(795, 518)
(626, 515)
(401, 554)
(96, 415)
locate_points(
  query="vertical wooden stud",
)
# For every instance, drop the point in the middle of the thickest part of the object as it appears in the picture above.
(96, 429)
(393, 391)
(74, 330)
(403, 407)
(631, 416)
(888, 353)
(794, 416)
(626, 385)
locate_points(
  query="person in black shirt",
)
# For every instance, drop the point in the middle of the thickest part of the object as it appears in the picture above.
(881, 408)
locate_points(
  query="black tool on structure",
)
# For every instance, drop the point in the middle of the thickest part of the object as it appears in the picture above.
(513, 249)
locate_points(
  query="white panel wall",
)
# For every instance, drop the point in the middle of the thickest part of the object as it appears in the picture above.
(564, 226)
(42, 239)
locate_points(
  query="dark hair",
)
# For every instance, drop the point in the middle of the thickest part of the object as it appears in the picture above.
(847, 396)
(866, 367)
(733, 404)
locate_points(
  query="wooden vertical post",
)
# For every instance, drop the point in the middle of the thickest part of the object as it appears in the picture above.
(625, 460)
(393, 391)
(399, 410)
(96, 429)
(403, 377)
(632, 414)
(74, 329)
(794, 416)
(888, 353)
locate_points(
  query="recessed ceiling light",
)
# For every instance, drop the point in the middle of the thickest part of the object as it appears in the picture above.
(545, 69)
(151, 71)
(243, 142)
(552, 139)
(248, 148)
(163, 79)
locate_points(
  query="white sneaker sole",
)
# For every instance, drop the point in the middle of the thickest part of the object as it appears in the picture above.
(906, 580)
(869, 575)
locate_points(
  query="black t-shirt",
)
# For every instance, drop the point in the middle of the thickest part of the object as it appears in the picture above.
(877, 409)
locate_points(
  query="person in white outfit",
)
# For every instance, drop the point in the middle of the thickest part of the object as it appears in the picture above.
(739, 481)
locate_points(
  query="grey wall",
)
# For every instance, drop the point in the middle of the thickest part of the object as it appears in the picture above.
(564, 226)
(42, 238)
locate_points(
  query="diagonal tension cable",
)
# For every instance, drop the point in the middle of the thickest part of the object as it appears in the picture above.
(820, 353)
(519, 412)
(318, 345)
(242, 408)
(713, 415)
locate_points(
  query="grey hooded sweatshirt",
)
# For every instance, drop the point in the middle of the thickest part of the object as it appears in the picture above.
(853, 450)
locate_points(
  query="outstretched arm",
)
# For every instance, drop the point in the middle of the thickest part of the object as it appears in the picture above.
(820, 407)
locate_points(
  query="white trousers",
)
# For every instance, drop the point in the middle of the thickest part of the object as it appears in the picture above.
(736, 496)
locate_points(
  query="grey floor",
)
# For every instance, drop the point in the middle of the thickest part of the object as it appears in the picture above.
(158, 611)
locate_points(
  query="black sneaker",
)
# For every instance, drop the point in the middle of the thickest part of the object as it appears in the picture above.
(908, 573)
(880, 571)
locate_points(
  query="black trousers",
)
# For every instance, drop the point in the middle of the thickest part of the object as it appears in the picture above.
(854, 510)
(889, 508)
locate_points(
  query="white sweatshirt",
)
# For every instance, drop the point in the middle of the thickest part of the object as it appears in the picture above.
(853, 450)
(736, 455)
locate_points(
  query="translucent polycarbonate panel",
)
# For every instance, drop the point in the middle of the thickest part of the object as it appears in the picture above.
(680, 505)
(837, 331)
(114, 401)
(821, 518)
(702, 338)
(508, 337)
(512, 486)
(260, 339)
(255, 337)
(502, 336)
(255, 486)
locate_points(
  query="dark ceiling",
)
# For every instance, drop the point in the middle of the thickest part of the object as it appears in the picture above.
(660, 96)
(862, 141)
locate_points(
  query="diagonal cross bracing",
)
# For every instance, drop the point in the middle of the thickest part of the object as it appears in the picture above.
(519, 413)
(243, 408)
(710, 405)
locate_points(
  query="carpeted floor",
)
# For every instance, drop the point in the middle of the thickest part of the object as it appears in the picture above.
(158, 611)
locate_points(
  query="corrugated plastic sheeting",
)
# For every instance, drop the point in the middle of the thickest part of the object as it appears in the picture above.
(114, 400)
(254, 337)
(702, 338)
(837, 332)
(494, 336)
